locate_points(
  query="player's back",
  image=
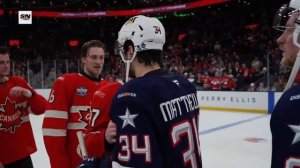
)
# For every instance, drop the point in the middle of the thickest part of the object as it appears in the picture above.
(157, 122)
(284, 124)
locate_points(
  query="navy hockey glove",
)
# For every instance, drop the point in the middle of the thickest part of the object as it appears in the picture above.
(90, 163)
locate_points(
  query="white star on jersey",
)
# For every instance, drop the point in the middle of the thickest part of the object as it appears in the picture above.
(128, 118)
(296, 129)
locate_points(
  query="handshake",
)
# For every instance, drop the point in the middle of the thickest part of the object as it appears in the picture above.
(103, 162)
(90, 163)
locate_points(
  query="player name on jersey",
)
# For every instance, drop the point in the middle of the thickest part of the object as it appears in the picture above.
(172, 108)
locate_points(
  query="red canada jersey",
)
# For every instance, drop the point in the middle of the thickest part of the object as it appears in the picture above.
(216, 83)
(100, 107)
(67, 113)
(227, 83)
(17, 141)
(206, 82)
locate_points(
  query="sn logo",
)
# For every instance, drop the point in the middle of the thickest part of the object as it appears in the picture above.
(25, 17)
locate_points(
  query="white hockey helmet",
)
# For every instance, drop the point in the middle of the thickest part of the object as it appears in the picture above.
(296, 40)
(296, 36)
(146, 33)
(295, 4)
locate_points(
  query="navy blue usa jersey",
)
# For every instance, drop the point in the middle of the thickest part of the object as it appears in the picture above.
(285, 128)
(157, 122)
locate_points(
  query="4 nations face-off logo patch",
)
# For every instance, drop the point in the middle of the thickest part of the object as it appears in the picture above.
(11, 116)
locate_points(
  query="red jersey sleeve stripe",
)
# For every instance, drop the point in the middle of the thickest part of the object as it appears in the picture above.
(54, 132)
(56, 114)
(76, 109)
(76, 126)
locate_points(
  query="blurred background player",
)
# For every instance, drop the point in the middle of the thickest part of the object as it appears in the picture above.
(68, 110)
(285, 120)
(17, 100)
(156, 112)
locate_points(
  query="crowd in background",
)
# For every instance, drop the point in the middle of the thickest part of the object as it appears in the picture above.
(223, 47)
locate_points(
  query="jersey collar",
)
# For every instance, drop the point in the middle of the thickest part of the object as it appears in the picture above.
(91, 78)
(155, 72)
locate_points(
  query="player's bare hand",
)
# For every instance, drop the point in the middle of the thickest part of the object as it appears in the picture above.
(20, 91)
(111, 132)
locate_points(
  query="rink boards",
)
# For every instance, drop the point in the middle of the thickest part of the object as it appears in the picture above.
(257, 102)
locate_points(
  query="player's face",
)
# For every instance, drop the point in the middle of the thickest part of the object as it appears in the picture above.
(94, 61)
(285, 41)
(4, 65)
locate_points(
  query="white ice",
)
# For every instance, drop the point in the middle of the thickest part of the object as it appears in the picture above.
(222, 140)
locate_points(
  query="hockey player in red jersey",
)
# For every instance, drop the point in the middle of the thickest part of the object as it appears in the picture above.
(17, 100)
(100, 106)
(68, 109)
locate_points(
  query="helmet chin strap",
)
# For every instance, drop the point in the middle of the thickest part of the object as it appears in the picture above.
(296, 66)
(293, 73)
(127, 62)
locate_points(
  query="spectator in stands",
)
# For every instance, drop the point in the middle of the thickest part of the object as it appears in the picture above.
(256, 65)
(206, 81)
(252, 87)
(261, 87)
(228, 83)
(216, 81)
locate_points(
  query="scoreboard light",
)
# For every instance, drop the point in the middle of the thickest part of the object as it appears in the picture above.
(13, 43)
(73, 43)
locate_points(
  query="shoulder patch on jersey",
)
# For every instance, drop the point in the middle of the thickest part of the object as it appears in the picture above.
(81, 91)
(176, 82)
(61, 78)
(126, 94)
(100, 93)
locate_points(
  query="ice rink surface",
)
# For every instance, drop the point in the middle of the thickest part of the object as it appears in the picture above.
(227, 139)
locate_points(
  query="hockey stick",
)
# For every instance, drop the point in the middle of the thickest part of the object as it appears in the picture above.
(82, 145)
(87, 162)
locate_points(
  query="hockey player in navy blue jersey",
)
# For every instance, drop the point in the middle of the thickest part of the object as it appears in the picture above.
(156, 112)
(285, 120)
